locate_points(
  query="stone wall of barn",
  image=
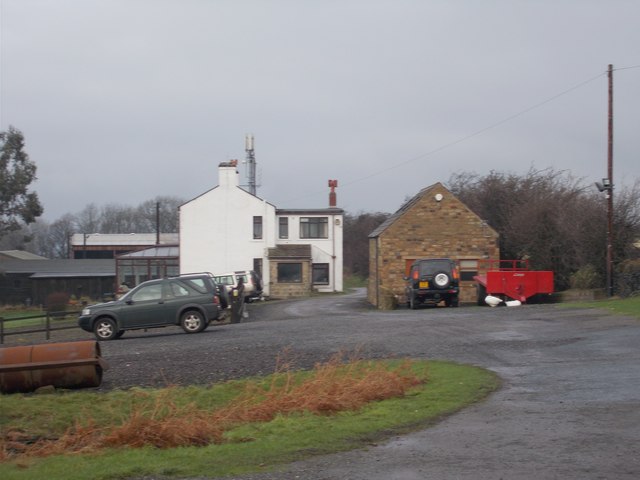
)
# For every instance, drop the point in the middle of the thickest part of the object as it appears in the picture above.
(435, 225)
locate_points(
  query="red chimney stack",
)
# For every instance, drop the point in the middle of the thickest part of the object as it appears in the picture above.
(332, 195)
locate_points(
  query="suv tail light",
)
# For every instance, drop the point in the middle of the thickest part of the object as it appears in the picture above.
(455, 273)
(416, 275)
(216, 300)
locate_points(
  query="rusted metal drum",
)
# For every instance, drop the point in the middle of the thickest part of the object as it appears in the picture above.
(61, 365)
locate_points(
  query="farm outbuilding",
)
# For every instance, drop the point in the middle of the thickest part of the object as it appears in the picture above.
(432, 224)
(31, 281)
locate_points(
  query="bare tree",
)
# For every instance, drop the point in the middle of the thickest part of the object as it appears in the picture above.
(357, 228)
(59, 235)
(147, 216)
(119, 219)
(551, 218)
(88, 220)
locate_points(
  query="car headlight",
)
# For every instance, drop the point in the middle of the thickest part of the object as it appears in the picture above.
(86, 311)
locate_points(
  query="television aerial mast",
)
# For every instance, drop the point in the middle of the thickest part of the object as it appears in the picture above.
(250, 170)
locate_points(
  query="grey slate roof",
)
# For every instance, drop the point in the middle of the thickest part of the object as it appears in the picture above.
(161, 251)
(19, 255)
(60, 268)
(290, 251)
(309, 211)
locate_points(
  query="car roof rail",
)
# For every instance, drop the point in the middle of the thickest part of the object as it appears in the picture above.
(190, 273)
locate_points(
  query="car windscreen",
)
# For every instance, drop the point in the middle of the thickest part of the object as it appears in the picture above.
(434, 266)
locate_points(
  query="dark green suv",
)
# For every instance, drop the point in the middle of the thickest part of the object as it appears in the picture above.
(431, 281)
(190, 301)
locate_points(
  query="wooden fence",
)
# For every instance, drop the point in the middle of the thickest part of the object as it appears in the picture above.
(52, 321)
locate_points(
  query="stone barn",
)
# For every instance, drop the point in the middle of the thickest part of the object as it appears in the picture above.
(433, 224)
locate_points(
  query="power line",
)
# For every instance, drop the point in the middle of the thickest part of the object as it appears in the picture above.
(481, 131)
(626, 68)
(474, 134)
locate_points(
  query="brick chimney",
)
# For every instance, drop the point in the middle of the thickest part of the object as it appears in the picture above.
(332, 194)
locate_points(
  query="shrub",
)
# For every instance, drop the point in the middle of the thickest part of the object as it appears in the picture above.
(586, 278)
(57, 301)
(628, 278)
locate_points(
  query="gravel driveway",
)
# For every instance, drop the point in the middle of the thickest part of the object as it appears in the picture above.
(569, 407)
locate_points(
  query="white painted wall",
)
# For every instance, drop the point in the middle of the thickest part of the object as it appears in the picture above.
(216, 228)
(323, 250)
(216, 233)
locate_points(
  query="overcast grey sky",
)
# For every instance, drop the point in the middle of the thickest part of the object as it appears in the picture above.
(124, 100)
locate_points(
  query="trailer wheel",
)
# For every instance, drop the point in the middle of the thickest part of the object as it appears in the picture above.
(482, 294)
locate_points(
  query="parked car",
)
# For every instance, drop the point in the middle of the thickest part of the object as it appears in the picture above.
(432, 280)
(252, 283)
(190, 301)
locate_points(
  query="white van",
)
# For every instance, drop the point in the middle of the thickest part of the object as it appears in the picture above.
(252, 283)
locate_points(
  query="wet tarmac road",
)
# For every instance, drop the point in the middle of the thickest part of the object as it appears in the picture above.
(569, 407)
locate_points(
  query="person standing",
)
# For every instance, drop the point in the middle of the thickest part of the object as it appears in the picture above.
(237, 301)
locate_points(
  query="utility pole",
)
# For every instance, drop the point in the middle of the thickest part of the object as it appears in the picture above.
(610, 189)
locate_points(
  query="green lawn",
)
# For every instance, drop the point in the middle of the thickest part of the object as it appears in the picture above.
(33, 318)
(249, 447)
(623, 306)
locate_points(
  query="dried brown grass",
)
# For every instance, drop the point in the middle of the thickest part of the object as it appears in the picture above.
(331, 387)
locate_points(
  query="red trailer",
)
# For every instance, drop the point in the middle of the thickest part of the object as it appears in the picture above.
(512, 279)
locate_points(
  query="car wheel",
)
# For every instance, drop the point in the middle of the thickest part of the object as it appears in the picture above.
(105, 329)
(412, 302)
(441, 280)
(451, 301)
(192, 321)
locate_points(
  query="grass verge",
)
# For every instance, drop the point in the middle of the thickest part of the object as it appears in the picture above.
(254, 446)
(621, 306)
(354, 281)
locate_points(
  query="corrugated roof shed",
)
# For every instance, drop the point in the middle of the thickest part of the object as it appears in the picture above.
(60, 268)
(19, 255)
(154, 252)
(92, 239)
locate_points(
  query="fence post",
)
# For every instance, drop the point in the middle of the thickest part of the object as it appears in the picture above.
(48, 325)
(1, 330)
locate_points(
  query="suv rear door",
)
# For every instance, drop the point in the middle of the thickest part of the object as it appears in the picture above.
(431, 267)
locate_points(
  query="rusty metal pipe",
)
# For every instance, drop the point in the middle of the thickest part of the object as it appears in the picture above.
(61, 365)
